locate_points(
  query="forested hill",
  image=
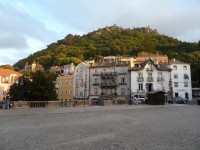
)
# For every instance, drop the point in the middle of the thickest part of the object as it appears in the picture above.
(112, 40)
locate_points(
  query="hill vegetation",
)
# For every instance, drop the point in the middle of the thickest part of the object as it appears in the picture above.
(115, 40)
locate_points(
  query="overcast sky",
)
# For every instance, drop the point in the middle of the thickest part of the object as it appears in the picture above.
(27, 26)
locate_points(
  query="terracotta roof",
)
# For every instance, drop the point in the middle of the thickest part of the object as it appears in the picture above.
(7, 72)
(151, 55)
(174, 61)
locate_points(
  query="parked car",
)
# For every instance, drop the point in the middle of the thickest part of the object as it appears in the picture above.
(140, 98)
(180, 100)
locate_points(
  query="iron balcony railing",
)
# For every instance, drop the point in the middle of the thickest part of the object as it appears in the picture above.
(149, 79)
(140, 79)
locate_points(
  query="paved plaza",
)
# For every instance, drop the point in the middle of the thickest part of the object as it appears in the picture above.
(125, 127)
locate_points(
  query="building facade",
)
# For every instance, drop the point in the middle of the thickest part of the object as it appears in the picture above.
(33, 67)
(147, 76)
(110, 78)
(65, 83)
(7, 78)
(64, 87)
(181, 79)
(81, 80)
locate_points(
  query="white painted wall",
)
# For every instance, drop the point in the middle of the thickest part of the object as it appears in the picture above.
(181, 89)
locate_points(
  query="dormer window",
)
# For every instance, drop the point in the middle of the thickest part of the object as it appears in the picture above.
(175, 67)
(184, 67)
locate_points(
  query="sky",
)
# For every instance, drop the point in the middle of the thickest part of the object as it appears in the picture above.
(28, 26)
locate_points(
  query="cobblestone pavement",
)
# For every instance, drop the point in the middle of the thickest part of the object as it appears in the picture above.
(136, 127)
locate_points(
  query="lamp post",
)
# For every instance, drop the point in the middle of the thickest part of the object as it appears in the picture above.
(147, 86)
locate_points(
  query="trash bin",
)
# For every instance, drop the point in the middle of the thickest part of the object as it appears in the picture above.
(198, 102)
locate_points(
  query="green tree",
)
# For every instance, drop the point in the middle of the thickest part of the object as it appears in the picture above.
(37, 86)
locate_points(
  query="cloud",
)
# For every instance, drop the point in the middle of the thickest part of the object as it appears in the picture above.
(13, 40)
(28, 26)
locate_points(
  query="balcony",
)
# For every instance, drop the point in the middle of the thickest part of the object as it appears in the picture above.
(140, 79)
(96, 84)
(108, 84)
(124, 73)
(109, 74)
(140, 91)
(123, 83)
(149, 69)
(149, 79)
(160, 79)
(96, 74)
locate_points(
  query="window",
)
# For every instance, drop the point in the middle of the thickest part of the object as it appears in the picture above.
(175, 76)
(185, 84)
(96, 80)
(159, 74)
(70, 92)
(184, 67)
(66, 92)
(81, 94)
(149, 74)
(70, 83)
(122, 80)
(76, 94)
(140, 74)
(96, 91)
(66, 82)
(62, 82)
(175, 67)
(95, 70)
(122, 91)
(140, 86)
(175, 84)
(186, 77)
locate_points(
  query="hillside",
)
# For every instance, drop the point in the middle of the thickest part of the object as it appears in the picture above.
(113, 40)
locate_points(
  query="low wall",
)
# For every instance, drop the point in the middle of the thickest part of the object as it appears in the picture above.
(55, 104)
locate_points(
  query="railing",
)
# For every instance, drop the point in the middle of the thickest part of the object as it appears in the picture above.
(149, 79)
(95, 84)
(108, 84)
(140, 91)
(124, 73)
(123, 83)
(149, 69)
(140, 79)
(96, 74)
(160, 79)
(109, 74)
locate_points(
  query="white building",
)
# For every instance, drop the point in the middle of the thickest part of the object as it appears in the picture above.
(81, 80)
(181, 79)
(147, 76)
(69, 69)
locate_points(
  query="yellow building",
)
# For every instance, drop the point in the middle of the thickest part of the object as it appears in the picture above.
(64, 87)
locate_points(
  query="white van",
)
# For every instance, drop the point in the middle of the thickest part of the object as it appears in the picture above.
(139, 98)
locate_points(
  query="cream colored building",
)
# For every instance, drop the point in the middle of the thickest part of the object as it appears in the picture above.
(64, 87)
(65, 83)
